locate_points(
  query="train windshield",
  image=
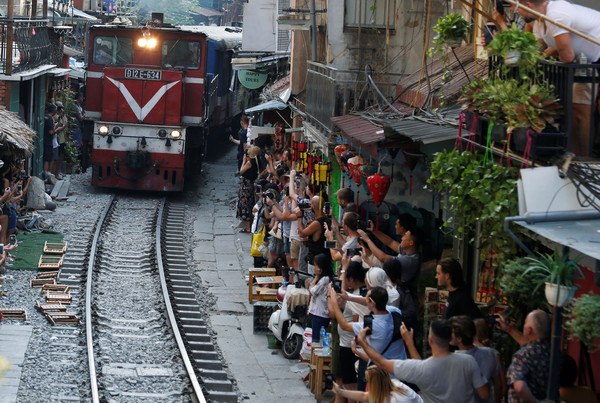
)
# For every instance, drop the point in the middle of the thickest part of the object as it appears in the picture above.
(113, 50)
(181, 54)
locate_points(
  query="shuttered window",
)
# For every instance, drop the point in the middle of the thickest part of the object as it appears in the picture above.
(370, 13)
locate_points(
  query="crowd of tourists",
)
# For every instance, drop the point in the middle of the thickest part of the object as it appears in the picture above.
(372, 314)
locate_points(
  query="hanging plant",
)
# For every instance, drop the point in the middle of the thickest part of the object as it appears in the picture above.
(583, 320)
(477, 193)
(521, 41)
(450, 31)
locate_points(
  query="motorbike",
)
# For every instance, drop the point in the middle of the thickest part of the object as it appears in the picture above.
(287, 323)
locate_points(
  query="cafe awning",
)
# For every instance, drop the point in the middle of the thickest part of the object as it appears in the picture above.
(363, 133)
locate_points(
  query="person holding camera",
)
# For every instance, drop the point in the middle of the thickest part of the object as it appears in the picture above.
(251, 167)
(380, 326)
(381, 388)
(350, 225)
(314, 231)
(463, 335)
(443, 377)
(449, 274)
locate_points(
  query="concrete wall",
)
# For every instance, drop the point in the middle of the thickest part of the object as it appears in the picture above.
(400, 52)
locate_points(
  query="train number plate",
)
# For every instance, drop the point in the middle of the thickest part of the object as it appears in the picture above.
(143, 74)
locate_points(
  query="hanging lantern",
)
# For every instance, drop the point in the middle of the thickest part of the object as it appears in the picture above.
(298, 147)
(411, 160)
(378, 185)
(311, 160)
(301, 161)
(354, 165)
(366, 171)
(346, 155)
(322, 174)
(339, 150)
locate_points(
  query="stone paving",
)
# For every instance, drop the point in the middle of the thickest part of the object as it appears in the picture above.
(221, 258)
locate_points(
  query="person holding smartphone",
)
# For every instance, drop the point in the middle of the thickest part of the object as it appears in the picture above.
(350, 225)
(381, 325)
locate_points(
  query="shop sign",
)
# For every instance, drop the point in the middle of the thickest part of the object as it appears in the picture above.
(251, 79)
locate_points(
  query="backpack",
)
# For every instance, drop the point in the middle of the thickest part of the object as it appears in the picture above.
(398, 319)
(408, 306)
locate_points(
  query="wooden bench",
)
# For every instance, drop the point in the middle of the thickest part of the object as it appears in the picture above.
(254, 273)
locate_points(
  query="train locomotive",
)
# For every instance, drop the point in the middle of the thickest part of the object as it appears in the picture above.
(154, 94)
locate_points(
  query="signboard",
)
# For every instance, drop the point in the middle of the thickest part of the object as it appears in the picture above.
(251, 79)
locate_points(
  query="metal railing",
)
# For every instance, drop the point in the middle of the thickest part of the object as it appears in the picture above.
(333, 92)
(29, 42)
(565, 79)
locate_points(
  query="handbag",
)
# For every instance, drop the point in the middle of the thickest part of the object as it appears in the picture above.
(257, 241)
(276, 230)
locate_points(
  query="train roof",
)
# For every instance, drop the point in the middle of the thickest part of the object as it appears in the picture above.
(225, 37)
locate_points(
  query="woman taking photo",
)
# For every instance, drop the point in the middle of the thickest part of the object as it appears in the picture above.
(249, 172)
(381, 389)
(318, 295)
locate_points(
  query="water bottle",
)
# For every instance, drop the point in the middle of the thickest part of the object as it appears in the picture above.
(283, 282)
(582, 59)
(322, 335)
(326, 344)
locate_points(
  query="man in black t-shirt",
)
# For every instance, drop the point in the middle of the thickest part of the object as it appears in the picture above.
(49, 136)
(449, 274)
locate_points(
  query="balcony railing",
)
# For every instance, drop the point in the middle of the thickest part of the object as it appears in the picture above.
(30, 45)
(563, 78)
(332, 92)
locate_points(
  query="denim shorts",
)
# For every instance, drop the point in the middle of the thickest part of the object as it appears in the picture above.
(286, 246)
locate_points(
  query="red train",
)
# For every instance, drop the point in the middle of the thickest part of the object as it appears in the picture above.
(154, 94)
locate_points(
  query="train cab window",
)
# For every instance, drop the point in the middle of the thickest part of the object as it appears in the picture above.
(181, 54)
(113, 50)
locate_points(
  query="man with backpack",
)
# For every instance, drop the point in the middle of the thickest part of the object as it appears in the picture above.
(384, 323)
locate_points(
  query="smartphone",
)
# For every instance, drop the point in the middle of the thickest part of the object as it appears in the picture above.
(368, 324)
(354, 252)
(330, 244)
(20, 188)
(337, 286)
(257, 189)
(13, 239)
(327, 208)
(298, 181)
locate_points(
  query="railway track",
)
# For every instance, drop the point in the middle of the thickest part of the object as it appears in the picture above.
(145, 333)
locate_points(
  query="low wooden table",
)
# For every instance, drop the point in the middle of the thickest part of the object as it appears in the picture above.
(257, 272)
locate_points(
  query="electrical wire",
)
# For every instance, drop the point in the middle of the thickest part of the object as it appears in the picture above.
(586, 178)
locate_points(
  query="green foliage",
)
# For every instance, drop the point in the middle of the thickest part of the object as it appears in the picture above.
(521, 289)
(522, 105)
(67, 97)
(518, 40)
(477, 193)
(583, 320)
(449, 28)
(558, 269)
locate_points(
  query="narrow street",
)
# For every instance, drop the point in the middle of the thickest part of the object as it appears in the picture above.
(221, 258)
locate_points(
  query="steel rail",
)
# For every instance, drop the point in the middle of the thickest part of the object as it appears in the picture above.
(170, 313)
(88, 302)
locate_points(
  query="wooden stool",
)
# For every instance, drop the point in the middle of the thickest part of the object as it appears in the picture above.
(255, 272)
(319, 367)
(271, 282)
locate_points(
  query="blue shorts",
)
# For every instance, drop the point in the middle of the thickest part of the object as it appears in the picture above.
(287, 246)
(12, 218)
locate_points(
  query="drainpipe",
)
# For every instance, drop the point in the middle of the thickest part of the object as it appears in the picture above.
(313, 28)
(555, 351)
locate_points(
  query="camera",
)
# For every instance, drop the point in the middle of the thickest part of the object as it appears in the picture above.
(363, 224)
(304, 206)
(363, 290)
(20, 188)
(257, 189)
(368, 324)
(270, 195)
(12, 239)
(329, 381)
(337, 286)
(327, 207)
(354, 252)
(298, 181)
(491, 319)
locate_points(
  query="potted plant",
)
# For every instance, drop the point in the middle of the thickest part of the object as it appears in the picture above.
(450, 31)
(583, 320)
(560, 273)
(516, 46)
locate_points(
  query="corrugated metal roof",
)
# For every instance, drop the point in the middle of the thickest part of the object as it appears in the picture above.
(362, 132)
(419, 131)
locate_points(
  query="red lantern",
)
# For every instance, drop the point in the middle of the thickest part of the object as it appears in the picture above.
(378, 185)
(354, 165)
(339, 150)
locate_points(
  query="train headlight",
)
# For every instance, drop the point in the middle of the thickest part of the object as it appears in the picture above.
(116, 131)
(175, 134)
(142, 42)
(152, 43)
(162, 133)
(103, 130)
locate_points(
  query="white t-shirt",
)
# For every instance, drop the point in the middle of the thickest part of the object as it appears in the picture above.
(453, 378)
(346, 336)
(409, 396)
(583, 19)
